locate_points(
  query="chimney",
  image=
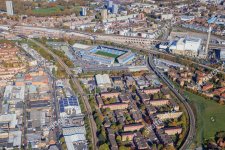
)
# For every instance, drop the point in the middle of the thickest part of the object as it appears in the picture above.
(208, 40)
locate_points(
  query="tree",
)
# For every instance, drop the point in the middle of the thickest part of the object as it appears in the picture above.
(169, 147)
(124, 148)
(133, 88)
(154, 147)
(160, 146)
(145, 132)
(142, 107)
(118, 139)
(114, 127)
(104, 147)
(102, 139)
(119, 126)
(64, 147)
(98, 121)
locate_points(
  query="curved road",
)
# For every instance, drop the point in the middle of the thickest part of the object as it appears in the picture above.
(192, 123)
(80, 89)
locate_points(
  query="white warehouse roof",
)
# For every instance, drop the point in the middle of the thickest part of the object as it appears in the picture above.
(102, 79)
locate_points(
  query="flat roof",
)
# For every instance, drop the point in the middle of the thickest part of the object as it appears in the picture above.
(81, 46)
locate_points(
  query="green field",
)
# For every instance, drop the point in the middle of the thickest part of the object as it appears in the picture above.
(48, 10)
(106, 54)
(210, 117)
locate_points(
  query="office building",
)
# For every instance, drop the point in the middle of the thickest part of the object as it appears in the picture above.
(9, 8)
(104, 14)
(109, 4)
(222, 54)
(115, 9)
(83, 11)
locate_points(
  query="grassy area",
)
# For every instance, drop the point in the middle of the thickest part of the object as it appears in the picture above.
(50, 10)
(210, 117)
(106, 54)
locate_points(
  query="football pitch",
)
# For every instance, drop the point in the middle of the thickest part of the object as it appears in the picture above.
(106, 54)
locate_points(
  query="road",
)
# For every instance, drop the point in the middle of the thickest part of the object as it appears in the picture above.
(192, 123)
(55, 113)
(80, 91)
(24, 131)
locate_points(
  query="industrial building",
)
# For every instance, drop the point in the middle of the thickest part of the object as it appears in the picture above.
(69, 106)
(166, 64)
(188, 46)
(14, 94)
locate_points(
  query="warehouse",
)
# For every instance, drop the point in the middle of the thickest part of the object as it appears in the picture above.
(103, 80)
(186, 46)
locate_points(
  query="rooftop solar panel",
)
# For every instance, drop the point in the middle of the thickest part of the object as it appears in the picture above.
(71, 101)
(62, 109)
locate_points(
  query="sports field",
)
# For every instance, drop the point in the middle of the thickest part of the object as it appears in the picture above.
(48, 10)
(210, 117)
(106, 54)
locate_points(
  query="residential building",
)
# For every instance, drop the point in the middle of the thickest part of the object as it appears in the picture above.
(159, 102)
(133, 127)
(127, 136)
(104, 14)
(83, 11)
(116, 106)
(169, 115)
(173, 130)
(115, 8)
(9, 8)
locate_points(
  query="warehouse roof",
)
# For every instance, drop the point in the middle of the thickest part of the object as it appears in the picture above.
(102, 79)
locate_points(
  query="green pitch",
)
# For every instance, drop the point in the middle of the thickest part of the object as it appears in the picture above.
(106, 54)
(48, 10)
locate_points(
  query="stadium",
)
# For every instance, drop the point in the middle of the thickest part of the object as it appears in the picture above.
(107, 55)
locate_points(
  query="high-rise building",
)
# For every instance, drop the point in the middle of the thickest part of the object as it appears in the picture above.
(109, 4)
(115, 9)
(83, 11)
(9, 7)
(104, 14)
